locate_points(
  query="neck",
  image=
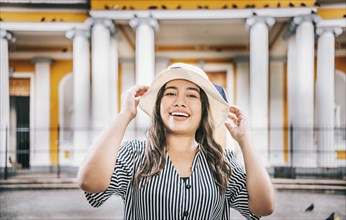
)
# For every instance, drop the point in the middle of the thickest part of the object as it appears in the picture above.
(181, 143)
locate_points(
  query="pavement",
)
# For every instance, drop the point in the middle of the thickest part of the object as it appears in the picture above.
(71, 204)
(48, 197)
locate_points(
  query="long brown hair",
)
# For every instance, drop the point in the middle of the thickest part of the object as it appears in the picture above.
(156, 149)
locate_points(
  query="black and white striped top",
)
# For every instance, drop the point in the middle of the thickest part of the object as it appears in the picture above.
(167, 196)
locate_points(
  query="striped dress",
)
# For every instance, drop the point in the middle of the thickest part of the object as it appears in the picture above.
(168, 196)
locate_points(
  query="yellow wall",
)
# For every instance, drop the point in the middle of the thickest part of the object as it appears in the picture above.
(59, 69)
(285, 115)
(341, 154)
(331, 13)
(340, 64)
(44, 16)
(22, 66)
(191, 4)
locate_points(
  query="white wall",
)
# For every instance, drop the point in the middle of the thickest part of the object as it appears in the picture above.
(276, 113)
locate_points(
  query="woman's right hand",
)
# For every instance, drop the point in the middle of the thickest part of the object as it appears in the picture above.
(130, 99)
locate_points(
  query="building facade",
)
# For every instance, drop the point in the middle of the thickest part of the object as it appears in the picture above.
(64, 65)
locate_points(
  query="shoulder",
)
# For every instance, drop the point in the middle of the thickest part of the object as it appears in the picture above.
(229, 154)
(136, 144)
(135, 147)
(233, 159)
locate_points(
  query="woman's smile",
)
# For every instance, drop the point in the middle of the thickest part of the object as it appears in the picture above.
(179, 115)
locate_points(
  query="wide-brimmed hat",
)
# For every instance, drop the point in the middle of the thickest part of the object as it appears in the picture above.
(218, 106)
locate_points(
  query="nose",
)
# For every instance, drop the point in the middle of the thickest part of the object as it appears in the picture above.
(180, 101)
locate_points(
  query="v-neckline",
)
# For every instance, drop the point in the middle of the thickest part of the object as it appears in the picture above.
(192, 165)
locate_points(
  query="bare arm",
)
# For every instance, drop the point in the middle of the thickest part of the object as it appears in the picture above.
(97, 167)
(259, 186)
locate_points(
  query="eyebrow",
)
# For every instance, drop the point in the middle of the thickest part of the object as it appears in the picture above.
(187, 88)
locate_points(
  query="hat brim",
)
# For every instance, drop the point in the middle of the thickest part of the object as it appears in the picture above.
(218, 106)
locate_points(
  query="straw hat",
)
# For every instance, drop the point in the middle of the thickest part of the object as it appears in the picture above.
(218, 106)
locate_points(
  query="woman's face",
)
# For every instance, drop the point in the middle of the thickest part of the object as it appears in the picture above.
(181, 108)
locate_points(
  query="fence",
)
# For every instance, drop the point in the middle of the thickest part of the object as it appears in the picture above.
(21, 159)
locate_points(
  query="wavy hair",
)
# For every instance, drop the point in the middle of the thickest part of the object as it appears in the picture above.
(156, 149)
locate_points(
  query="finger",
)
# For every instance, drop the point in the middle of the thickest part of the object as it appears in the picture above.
(142, 91)
(234, 108)
(139, 90)
(236, 119)
(232, 117)
(230, 124)
(237, 112)
(137, 99)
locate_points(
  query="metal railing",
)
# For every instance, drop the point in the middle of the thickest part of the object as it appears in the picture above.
(21, 159)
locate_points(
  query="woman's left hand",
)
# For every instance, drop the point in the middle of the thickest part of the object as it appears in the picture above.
(259, 186)
(239, 128)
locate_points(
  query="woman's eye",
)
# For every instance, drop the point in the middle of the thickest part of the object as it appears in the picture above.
(191, 96)
(170, 94)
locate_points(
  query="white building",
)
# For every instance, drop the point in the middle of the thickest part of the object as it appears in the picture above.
(64, 65)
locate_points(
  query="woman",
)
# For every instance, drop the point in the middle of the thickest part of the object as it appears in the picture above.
(180, 172)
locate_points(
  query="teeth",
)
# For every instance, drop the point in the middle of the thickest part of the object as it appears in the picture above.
(180, 114)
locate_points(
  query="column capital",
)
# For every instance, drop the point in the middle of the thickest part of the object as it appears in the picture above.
(70, 34)
(335, 30)
(292, 27)
(251, 21)
(7, 35)
(102, 21)
(136, 22)
(36, 60)
(314, 18)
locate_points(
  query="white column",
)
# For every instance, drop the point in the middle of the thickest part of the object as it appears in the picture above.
(4, 96)
(102, 83)
(81, 93)
(291, 91)
(241, 94)
(127, 81)
(128, 78)
(230, 84)
(325, 96)
(145, 62)
(114, 74)
(303, 120)
(276, 78)
(242, 84)
(259, 82)
(230, 142)
(41, 148)
(145, 49)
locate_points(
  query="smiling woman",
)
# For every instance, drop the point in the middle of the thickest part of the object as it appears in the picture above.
(180, 165)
